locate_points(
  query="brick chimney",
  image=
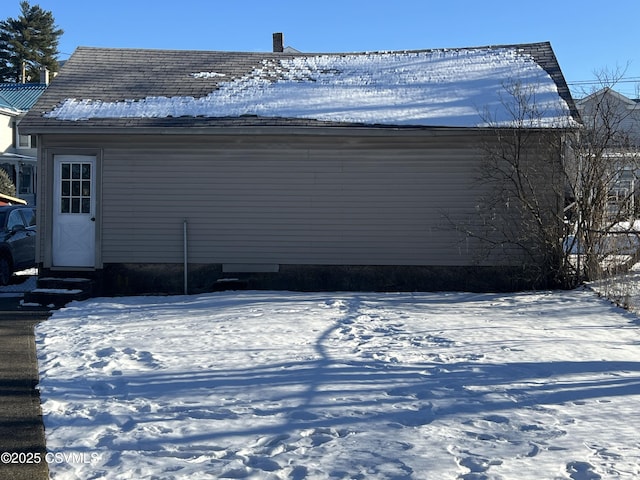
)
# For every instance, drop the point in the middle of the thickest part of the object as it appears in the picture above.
(278, 42)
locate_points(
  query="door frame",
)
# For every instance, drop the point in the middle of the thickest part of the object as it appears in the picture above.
(47, 205)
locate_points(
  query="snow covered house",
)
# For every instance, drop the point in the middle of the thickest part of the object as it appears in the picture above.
(289, 170)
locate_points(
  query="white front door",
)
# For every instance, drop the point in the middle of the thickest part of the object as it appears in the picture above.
(74, 207)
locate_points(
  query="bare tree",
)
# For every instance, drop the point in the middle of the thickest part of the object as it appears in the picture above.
(603, 179)
(563, 197)
(523, 173)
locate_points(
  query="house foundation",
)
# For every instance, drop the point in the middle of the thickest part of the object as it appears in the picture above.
(168, 279)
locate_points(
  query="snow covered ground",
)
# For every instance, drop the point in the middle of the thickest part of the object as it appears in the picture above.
(275, 385)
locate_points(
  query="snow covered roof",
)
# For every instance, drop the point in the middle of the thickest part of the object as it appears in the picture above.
(429, 88)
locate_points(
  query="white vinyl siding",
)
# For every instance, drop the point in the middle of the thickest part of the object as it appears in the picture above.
(324, 200)
(285, 206)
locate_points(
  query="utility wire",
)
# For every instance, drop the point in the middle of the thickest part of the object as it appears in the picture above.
(578, 87)
(597, 82)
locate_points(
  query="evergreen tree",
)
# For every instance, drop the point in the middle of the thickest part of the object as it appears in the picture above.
(31, 39)
(6, 184)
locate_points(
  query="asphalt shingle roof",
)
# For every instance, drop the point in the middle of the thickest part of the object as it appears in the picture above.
(130, 76)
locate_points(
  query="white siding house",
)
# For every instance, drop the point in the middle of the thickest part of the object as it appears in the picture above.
(18, 152)
(615, 119)
(280, 170)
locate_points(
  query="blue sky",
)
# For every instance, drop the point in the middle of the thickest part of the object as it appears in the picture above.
(588, 36)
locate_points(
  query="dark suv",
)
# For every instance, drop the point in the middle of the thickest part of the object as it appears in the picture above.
(17, 240)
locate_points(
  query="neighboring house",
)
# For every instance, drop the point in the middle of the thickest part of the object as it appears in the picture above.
(283, 170)
(18, 152)
(614, 120)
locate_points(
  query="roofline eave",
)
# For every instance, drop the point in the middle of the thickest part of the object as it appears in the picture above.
(349, 130)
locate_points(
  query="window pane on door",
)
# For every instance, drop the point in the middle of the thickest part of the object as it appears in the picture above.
(75, 188)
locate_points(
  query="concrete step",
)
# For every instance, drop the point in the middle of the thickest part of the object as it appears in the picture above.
(70, 283)
(57, 292)
(54, 297)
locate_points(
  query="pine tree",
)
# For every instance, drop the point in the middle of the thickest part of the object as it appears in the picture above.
(31, 39)
(6, 184)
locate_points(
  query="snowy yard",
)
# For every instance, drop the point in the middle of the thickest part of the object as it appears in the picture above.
(275, 385)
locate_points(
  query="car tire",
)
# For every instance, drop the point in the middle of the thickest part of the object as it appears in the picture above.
(5, 270)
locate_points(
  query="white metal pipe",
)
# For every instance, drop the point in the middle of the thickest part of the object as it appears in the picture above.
(185, 243)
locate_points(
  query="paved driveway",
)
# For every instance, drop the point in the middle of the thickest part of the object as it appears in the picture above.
(22, 440)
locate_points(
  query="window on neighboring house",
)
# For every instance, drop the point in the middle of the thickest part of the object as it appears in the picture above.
(26, 179)
(25, 141)
(623, 192)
